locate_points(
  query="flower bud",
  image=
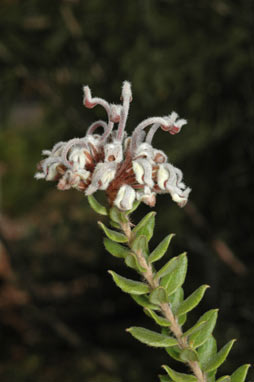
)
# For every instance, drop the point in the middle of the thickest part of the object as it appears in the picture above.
(125, 197)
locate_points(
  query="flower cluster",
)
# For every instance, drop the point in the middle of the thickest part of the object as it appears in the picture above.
(128, 168)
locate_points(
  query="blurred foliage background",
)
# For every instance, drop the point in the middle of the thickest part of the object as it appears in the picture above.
(61, 317)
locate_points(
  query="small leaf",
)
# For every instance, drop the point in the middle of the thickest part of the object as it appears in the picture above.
(117, 216)
(139, 244)
(96, 206)
(225, 378)
(114, 225)
(192, 301)
(115, 249)
(188, 355)
(165, 378)
(158, 296)
(182, 319)
(135, 206)
(201, 335)
(194, 328)
(151, 338)
(176, 299)
(240, 374)
(167, 268)
(211, 376)
(175, 353)
(176, 278)
(219, 358)
(129, 286)
(206, 351)
(161, 249)
(158, 319)
(113, 235)
(132, 262)
(143, 301)
(145, 226)
(179, 377)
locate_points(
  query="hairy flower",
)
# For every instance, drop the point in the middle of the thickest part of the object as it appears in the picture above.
(127, 168)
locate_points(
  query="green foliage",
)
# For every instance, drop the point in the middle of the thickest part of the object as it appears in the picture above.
(174, 279)
(202, 333)
(161, 249)
(162, 291)
(132, 262)
(113, 235)
(207, 351)
(129, 286)
(145, 226)
(217, 359)
(151, 338)
(179, 377)
(143, 301)
(192, 301)
(96, 206)
(115, 249)
(188, 355)
(158, 295)
(240, 374)
(158, 319)
(226, 378)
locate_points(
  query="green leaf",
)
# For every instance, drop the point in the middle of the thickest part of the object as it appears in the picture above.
(143, 301)
(188, 355)
(146, 226)
(219, 358)
(139, 244)
(158, 319)
(161, 249)
(225, 378)
(179, 377)
(207, 350)
(182, 319)
(194, 328)
(165, 378)
(135, 206)
(113, 235)
(211, 376)
(151, 338)
(114, 225)
(176, 299)
(240, 374)
(167, 268)
(132, 262)
(176, 278)
(158, 296)
(96, 206)
(204, 331)
(192, 301)
(175, 353)
(129, 286)
(115, 249)
(117, 216)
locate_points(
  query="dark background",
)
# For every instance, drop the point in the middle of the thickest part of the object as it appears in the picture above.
(61, 317)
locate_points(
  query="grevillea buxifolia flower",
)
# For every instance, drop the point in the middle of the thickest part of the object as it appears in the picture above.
(128, 168)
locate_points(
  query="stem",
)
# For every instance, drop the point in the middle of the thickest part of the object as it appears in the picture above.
(165, 307)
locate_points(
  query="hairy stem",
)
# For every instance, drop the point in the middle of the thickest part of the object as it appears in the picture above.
(165, 307)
